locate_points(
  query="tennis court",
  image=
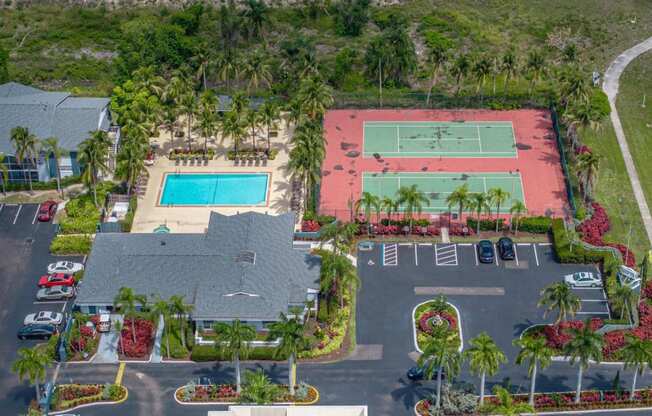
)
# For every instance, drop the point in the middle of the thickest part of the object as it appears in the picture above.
(437, 186)
(477, 139)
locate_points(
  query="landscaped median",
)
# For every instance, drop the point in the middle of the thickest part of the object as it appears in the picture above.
(70, 396)
(436, 319)
(192, 394)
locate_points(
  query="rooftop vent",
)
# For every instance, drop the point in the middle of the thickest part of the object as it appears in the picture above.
(246, 256)
(162, 242)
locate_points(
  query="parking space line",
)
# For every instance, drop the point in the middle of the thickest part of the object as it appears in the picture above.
(404, 244)
(545, 244)
(17, 214)
(425, 244)
(63, 308)
(523, 244)
(465, 244)
(475, 251)
(416, 256)
(35, 215)
(390, 254)
(1, 207)
(496, 254)
(446, 255)
(516, 255)
(587, 288)
(49, 302)
(536, 256)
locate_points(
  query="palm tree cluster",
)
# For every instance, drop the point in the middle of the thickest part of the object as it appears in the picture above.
(408, 199)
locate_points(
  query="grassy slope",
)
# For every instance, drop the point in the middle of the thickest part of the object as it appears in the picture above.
(637, 121)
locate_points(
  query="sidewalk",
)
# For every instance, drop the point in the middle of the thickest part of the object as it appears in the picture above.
(156, 352)
(107, 350)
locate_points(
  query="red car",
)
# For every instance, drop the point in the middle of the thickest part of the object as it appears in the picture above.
(47, 210)
(57, 279)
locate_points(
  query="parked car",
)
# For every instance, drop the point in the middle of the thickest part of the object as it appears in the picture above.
(583, 279)
(47, 210)
(44, 331)
(204, 381)
(67, 267)
(43, 317)
(486, 251)
(55, 293)
(506, 248)
(418, 373)
(57, 279)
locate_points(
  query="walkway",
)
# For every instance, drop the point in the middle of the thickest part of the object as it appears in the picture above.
(107, 350)
(610, 87)
(156, 352)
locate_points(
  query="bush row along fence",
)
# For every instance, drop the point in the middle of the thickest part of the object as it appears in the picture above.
(562, 156)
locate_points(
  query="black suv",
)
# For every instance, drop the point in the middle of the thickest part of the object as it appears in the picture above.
(506, 248)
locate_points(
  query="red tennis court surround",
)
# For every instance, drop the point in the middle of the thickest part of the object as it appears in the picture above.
(537, 158)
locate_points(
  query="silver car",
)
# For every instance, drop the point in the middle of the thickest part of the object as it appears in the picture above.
(583, 279)
(55, 293)
(67, 267)
(44, 317)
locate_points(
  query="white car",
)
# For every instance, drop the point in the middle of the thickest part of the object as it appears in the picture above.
(583, 279)
(67, 267)
(44, 317)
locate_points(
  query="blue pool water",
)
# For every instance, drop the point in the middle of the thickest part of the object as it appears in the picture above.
(215, 189)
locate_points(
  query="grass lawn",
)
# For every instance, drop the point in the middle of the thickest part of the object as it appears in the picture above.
(636, 119)
(614, 191)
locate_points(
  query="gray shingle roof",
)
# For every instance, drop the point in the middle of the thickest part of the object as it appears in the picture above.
(48, 114)
(203, 268)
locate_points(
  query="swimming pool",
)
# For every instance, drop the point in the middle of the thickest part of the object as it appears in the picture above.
(228, 189)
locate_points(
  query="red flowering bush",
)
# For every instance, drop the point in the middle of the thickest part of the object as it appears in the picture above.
(95, 319)
(647, 290)
(594, 229)
(580, 150)
(86, 331)
(310, 226)
(140, 348)
(426, 326)
(559, 335)
(73, 391)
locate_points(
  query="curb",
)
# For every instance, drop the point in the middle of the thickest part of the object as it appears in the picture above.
(230, 403)
(414, 327)
(60, 412)
(565, 412)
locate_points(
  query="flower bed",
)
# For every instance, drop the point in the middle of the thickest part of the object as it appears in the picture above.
(83, 339)
(226, 393)
(594, 229)
(68, 396)
(436, 319)
(144, 339)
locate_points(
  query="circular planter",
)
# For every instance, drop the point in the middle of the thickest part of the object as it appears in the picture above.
(415, 324)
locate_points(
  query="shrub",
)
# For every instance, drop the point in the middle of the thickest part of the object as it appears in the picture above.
(536, 225)
(485, 225)
(43, 186)
(144, 331)
(210, 353)
(71, 244)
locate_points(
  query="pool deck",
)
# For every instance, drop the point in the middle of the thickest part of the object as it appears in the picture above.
(194, 219)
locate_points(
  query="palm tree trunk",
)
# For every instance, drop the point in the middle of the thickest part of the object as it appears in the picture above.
(505, 84)
(631, 394)
(189, 139)
(37, 387)
(166, 328)
(59, 178)
(269, 143)
(532, 384)
(183, 332)
(238, 383)
(497, 214)
(516, 232)
(493, 89)
(477, 225)
(579, 384)
(133, 330)
(432, 85)
(482, 378)
(438, 401)
(292, 373)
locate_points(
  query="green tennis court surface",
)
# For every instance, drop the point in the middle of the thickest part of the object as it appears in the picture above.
(437, 186)
(434, 139)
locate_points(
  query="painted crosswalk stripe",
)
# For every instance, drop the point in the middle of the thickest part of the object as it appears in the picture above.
(446, 255)
(390, 254)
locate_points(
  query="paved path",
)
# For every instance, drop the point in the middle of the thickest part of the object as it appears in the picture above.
(610, 87)
(156, 353)
(107, 350)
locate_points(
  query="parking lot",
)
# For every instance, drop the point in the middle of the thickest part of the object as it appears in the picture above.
(24, 248)
(499, 298)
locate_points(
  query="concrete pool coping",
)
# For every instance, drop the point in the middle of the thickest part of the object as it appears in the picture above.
(161, 187)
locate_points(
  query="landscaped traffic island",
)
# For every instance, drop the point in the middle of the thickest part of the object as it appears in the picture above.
(226, 394)
(436, 319)
(70, 396)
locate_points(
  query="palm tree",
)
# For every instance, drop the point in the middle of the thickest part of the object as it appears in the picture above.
(338, 272)
(507, 406)
(498, 196)
(234, 340)
(440, 355)
(130, 163)
(290, 332)
(509, 67)
(535, 65)
(257, 70)
(574, 87)
(481, 70)
(258, 388)
(517, 208)
(32, 362)
(436, 59)
(181, 309)
(585, 346)
(315, 97)
(341, 234)
(4, 174)
(188, 106)
(232, 126)
(460, 197)
(389, 205)
(51, 147)
(484, 358)
(459, 70)
(117, 325)
(207, 116)
(228, 68)
(202, 60)
(588, 165)
(126, 301)
(25, 145)
(584, 114)
(559, 296)
(252, 119)
(480, 202)
(494, 70)
(537, 354)
(270, 113)
(256, 12)
(162, 308)
(636, 354)
(412, 201)
(622, 299)
(93, 154)
(306, 156)
(367, 202)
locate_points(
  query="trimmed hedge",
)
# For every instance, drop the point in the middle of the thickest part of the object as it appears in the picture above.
(485, 225)
(210, 353)
(535, 225)
(43, 186)
(71, 244)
